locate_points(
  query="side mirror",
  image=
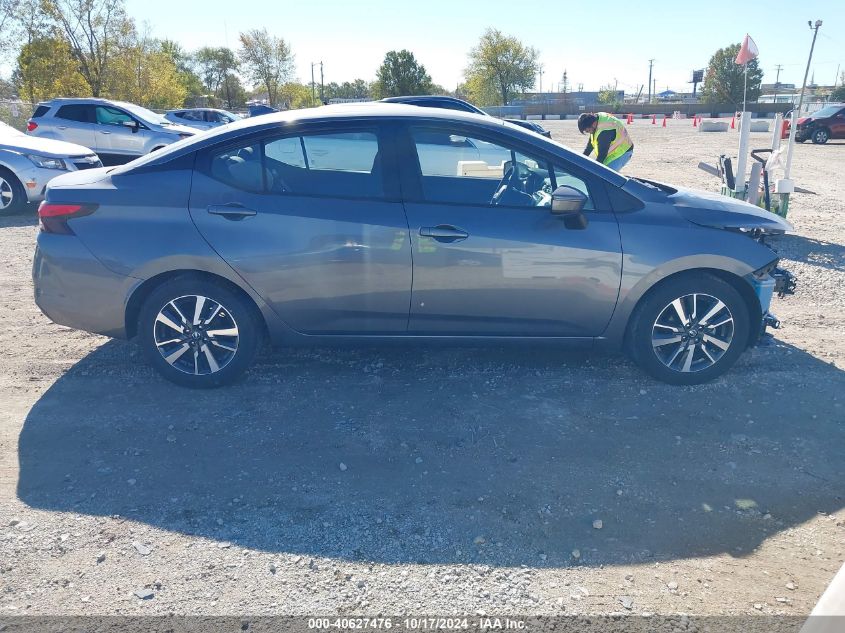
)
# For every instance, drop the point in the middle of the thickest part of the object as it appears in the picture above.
(568, 200)
(131, 124)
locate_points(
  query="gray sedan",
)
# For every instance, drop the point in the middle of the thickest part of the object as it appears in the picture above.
(386, 222)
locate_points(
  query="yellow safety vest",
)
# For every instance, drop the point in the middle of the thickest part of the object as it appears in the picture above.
(621, 142)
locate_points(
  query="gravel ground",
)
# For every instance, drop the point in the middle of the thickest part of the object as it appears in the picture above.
(437, 480)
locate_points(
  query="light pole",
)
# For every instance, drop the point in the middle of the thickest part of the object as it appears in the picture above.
(797, 112)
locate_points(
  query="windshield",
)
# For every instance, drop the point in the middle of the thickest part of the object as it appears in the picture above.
(146, 115)
(826, 112)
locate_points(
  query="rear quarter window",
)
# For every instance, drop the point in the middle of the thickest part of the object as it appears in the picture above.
(40, 111)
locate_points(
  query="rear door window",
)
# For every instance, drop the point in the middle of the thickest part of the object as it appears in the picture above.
(76, 112)
(342, 164)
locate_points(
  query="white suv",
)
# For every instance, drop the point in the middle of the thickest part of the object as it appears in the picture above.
(116, 131)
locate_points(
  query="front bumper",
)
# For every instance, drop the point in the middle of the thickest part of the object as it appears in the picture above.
(35, 179)
(781, 282)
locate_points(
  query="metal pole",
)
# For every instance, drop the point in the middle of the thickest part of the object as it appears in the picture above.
(322, 92)
(777, 84)
(797, 112)
(650, 64)
(313, 86)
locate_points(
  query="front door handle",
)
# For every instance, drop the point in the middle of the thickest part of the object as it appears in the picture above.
(444, 233)
(104, 132)
(231, 211)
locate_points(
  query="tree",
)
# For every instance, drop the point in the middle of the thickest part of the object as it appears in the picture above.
(184, 67)
(146, 75)
(214, 65)
(47, 69)
(401, 74)
(501, 65)
(724, 79)
(294, 95)
(232, 92)
(96, 31)
(8, 16)
(608, 95)
(267, 60)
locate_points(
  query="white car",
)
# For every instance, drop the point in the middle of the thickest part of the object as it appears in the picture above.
(27, 164)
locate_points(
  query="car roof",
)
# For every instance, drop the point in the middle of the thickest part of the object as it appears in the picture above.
(85, 100)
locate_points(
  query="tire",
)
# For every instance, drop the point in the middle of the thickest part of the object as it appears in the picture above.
(820, 136)
(656, 326)
(12, 194)
(211, 351)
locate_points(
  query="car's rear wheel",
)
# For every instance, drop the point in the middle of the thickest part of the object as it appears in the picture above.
(12, 194)
(820, 136)
(198, 333)
(689, 330)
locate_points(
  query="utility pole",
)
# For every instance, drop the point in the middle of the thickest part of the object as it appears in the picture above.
(797, 112)
(650, 64)
(777, 82)
(322, 94)
(313, 85)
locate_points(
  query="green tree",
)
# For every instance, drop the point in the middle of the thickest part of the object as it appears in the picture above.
(267, 60)
(47, 69)
(500, 67)
(232, 92)
(145, 75)
(401, 74)
(214, 64)
(8, 17)
(838, 93)
(724, 79)
(609, 95)
(294, 95)
(184, 67)
(97, 31)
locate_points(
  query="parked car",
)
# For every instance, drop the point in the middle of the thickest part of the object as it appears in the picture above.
(819, 127)
(201, 118)
(309, 226)
(452, 103)
(28, 164)
(118, 132)
(260, 109)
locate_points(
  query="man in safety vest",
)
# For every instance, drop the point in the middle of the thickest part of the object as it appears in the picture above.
(609, 139)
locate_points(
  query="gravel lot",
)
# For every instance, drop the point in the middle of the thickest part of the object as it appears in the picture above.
(435, 481)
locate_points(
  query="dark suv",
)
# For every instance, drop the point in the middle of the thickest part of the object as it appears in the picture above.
(819, 127)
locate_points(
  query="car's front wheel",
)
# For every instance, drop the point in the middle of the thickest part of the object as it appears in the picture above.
(12, 194)
(689, 330)
(820, 136)
(198, 333)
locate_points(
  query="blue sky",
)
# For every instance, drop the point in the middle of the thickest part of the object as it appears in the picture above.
(597, 42)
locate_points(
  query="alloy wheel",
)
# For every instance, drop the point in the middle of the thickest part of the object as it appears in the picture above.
(196, 335)
(7, 194)
(692, 332)
(820, 137)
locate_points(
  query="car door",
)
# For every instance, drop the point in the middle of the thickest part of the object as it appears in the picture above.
(509, 267)
(837, 124)
(74, 123)
(312, 219)
(113, 134)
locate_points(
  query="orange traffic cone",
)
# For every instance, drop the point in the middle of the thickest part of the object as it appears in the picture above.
(654, 119)
(733, 122)
(630, 118)
(695, 121)
(664, 121)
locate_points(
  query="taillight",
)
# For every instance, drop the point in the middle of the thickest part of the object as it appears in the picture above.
(53, 218)
(31, 125)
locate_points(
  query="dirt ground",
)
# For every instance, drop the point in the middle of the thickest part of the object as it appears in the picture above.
(435, 481)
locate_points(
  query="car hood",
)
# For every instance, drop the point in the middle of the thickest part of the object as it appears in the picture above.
(24, 144)
(176, 128)
(720, 212)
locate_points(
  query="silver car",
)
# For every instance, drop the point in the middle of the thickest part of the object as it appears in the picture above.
(28, 164)
(388, 222)
(117, 131)
(201, 118)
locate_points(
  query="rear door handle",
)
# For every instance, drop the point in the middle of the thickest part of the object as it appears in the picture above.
(444, 233)
(231, 211)
(62, 127)
(104, 132)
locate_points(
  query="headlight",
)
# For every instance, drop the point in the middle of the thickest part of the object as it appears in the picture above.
(45, 162)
